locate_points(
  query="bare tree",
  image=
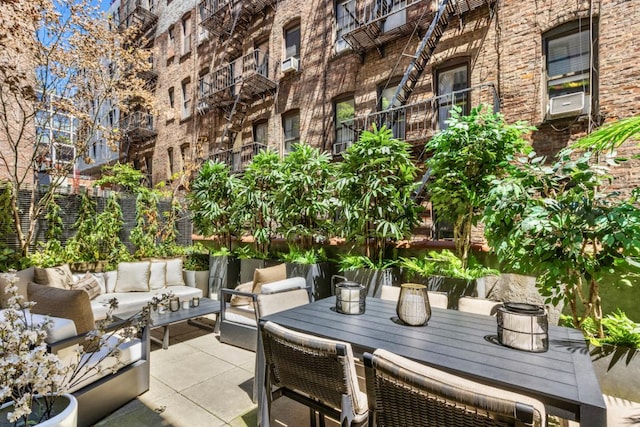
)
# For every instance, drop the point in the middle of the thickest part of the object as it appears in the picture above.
(61, 62)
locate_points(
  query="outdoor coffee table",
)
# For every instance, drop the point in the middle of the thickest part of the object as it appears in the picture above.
(168, 318)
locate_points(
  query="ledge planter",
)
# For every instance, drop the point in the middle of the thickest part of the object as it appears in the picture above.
(224, 272)
(318, 277)
(64, 413)
(92, 266)
(372, 279)
(618, 370)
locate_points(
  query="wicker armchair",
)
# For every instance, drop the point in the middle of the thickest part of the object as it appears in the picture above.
(402, 392)
(317, 372)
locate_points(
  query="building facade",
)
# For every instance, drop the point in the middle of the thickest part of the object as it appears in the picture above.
(234, 76)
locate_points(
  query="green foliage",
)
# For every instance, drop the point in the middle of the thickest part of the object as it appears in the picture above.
(11, 260)
(249, 252)
(304, 200)
(211, 201)
(611, 136)
(54, 219)
(446, 263)
(619, 330)
(6, 219)
(354, 262)
(301, 256)
(376, 180)
(255, 199)
(556, 221)
(196, 258)
(122, 175)
(466, 158)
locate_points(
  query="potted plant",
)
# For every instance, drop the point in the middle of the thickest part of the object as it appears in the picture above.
(443, 271)
(196, 268)
(305, 204)
(466, 158)
(211, 201)
(375, 184)
(360, 269)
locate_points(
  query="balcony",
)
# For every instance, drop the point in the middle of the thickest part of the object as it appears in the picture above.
(238, 159)
(218, 15)
(370, 24)
(416, 123)
(245, 78)
(139, 13)
(138, 126)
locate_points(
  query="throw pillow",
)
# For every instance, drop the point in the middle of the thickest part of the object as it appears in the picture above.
(174, 272)
(89, 284)
(58, 277)
(239, 300)
(268, 275)
(24, 277)
(71, 304)
(158, 276)
(133, 277)
(110, 278)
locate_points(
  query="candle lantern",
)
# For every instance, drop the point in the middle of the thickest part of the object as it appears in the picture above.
(174, 304)
(413, 304)
(350, 297)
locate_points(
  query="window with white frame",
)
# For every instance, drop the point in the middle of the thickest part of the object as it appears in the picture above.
(186, 35)
(203, 33)
(261, 133)
(186, 99)
(292, 42)
(569, 56)
(344, 110)
(393, 119)
(452, 85)
(345, 21)
(171, 42)
(291, 127)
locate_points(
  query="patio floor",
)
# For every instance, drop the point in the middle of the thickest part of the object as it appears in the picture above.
(199, 381)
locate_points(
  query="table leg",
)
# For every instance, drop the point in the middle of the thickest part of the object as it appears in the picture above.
(592, 416)
(259, 390)
(165, 338)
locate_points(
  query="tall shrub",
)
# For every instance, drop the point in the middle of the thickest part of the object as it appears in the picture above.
(466, 158)
(375, 183)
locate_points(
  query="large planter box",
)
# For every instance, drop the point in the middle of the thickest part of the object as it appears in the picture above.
(224, 272)
(618, 371)
(373, 280)
(318, 277)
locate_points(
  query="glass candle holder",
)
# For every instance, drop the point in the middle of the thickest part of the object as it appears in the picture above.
(413, 304)
(174, 304)
(185, 305)
(195, 302)
(350, 298)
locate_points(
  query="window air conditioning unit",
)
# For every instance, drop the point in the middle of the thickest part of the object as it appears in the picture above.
(290, 64)
(572, 104)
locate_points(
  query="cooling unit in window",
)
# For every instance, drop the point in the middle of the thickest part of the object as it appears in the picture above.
(290, 64)
(573, 104)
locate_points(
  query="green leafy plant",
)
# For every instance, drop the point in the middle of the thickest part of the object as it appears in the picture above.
(619, 331)
(354, 262)
(375, 183)
(211, 200)
(299, 256)
(558, 221)
(248, 252)
(255, 200)
(611, 136)
(446, 263)
(305, 201)
(466, 158)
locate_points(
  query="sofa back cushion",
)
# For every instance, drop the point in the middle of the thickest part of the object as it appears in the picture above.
(89, 284)
(268, 275)
(158, 277)
(133, 276)
(58, 277)
(24, 277)
(174, 272)
(71, 304)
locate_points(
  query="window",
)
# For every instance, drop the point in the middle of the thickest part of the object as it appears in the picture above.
(184, 155)
(171, 42)
(261, 133)
(291, 126)
(292, 42)
(569, 55)
(397, 13)
(344, 114)
(170, 159)
(452, 85)
(148, 161)
(171, 98)
(345, 22)
(186, 99)
(186, 35)
(395, 119)
(203, 33)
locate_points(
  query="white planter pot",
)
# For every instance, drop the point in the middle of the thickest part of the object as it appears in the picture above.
(65, 413)
(197, 279)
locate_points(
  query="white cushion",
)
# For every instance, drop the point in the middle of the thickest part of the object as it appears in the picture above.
(133, 276)
(58, 329)
(174, 272)
(243, 314)
(182, 292)
(158, 277)
(101, 281)
(110, 278)
(284, 285)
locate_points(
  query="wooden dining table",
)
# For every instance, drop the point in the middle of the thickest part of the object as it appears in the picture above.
(463, 344)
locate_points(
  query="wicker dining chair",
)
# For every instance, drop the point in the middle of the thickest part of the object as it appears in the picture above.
(436, 299)
(478, 305)
(316, 372)
(402, 392)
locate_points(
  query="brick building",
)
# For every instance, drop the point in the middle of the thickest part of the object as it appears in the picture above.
(235, 76)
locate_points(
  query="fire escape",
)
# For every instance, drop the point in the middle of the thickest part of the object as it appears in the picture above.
(419, 121)
(138, 126)
(236, 80)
